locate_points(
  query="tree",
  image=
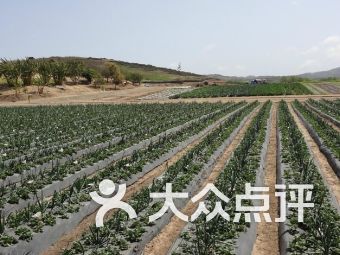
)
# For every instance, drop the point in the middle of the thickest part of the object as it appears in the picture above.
(115, 74)
(290, 79)
(117, 77)
(135, 77)
(45, 74)
(90, 74)
(106, 73)
(28, 69)
(75, 70)
(11, 70)
(59, 71)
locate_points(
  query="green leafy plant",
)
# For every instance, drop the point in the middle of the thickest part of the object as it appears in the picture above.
(24, 233)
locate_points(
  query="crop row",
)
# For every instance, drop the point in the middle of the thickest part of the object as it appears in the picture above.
(164, 121)
(28, 130)
(319, 233)
(329, 136)
(71, 200)
(326, 107)
(246, 90)
(218, 236)
(30, 186)
(120, 234)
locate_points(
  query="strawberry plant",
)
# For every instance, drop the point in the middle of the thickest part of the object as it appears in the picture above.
(218, 235)
(329, 107)
(318, 233)
(327, 133)
(179, 174)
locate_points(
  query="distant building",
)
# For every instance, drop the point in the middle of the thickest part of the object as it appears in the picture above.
(258, 81)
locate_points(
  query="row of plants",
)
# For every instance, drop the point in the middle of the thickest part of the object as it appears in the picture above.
(247, 90)
(31, 184)
(335, 102)
(70, 200)
(319, 233)
(166, 118)
(28, 129)
(330, 137)
(218, 236)
(327, 107)
(120, 233)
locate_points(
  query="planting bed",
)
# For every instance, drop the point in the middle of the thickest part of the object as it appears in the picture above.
(330, 113)
(327, 138)
(164, 141)
(219, 236)
(319, 233)
(332, 108)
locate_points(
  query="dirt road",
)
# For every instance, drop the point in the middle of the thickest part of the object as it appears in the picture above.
(80, 94)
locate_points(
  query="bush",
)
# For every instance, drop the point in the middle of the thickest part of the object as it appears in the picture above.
(28, 69)
(59, 71)
(135, 77)
(90, 75)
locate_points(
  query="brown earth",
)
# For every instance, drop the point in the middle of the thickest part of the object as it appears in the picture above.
(75, 94)
(81, 94)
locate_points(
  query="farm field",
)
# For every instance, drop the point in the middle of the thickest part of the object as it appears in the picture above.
(323, 87)
(53, 157)
(247, 90)
(170, 128)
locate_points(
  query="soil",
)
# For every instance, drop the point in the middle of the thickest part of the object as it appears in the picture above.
(81, 94)
(163, 241)
(73, 94)
(267, 241)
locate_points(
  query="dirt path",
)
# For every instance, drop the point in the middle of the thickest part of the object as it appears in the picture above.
(146, 180)
(267, 241)
(168, 235)
(326, 170)
(81, 94)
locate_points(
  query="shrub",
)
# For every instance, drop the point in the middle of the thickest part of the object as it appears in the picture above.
(135, 77)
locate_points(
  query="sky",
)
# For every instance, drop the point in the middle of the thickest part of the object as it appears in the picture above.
(228, 37)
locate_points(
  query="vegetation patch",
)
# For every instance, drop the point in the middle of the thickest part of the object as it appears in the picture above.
(272, 89)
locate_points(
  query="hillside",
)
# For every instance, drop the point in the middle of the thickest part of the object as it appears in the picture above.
(323, 74)
(333, 73)
(149, 72)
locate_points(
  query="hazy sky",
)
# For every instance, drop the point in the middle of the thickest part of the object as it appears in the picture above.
(230, 37)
